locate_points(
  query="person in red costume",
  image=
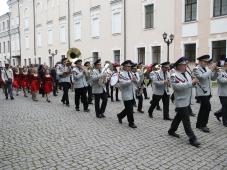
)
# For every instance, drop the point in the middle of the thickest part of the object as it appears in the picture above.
(16, 81)
(35, 84)
(48, 85)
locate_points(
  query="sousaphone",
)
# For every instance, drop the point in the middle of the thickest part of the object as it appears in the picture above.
(73, 54)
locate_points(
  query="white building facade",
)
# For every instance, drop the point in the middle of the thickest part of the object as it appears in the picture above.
(116, 30)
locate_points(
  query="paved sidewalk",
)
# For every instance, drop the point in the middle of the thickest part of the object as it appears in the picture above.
(40, 135)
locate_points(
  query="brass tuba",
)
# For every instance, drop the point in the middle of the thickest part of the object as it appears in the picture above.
(73, 54)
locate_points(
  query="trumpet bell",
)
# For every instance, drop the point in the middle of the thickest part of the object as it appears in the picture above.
(73, 54)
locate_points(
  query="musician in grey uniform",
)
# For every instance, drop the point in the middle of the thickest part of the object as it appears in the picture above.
(89, 88)
(182, 84)
(203, 90)
(99, 89)
(64, 72)
(80, 86)
(160, 84)
(222, 92)
(126, 83)
(138, 87)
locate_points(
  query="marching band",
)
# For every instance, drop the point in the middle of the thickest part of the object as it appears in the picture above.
(128, 78)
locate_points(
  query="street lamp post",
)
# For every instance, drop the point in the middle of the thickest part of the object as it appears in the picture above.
(168, 41)
(53, 54)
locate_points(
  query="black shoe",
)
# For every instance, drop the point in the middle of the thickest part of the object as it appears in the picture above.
(192, 114)
(217, 116)
(118, 100)
(225, 125)
(98, 116)
(86, 110)
(168, 118)
(119, 119)
(63, 101)
(134, 105)
(158, 108)
(112, 100)
(102, 115)
(194, 142)
(173, 134)
(67, 104)
(150, 115)
(147, 98)
(55, 95)
(132, 125)
(90, 103)
(12, 98)
(48, 101)
(205, 129)
(7, 98)
(77, 109)
(140, 111)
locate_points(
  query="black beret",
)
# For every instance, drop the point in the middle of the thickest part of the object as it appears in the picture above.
(155, 64)
(86, 63)
(181, 60)
(225, 60)
(127, 62)
(134, 65)
(165, 64)
(140, 63)
(97, 62)
(204, 58)
(77, 61)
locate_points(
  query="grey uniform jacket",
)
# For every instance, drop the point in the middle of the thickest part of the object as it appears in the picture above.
(9, 73)
(96, 87)
(79, 78)
(222, 83)
(204, 78)
(126, 85)
(182, 89)
(60, 70)
(158, 83)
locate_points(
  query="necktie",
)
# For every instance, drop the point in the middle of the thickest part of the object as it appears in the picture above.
(204, 69)
(184, 76)
(164, 74)
(129, 76)
(100, 71)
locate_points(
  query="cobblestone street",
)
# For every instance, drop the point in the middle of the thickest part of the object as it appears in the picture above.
(41, 135)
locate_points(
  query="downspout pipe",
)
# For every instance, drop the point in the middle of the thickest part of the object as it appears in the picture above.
(125, 35)
(69, 43)
(19, 23)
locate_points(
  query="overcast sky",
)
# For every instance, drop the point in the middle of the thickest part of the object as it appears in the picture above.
(3, 7)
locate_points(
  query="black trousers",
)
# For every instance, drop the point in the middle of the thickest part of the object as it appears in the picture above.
(140, 102)
(183, 114)
(89, 90)
(128, 111)
(224, 109)
(65, 86)
(116, 92)
(165, 100)
(81, 93)
(55, 87)
(100, 110)
(145, 93)
(204, 111)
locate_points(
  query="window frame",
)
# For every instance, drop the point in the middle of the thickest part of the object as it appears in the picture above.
(191, 11)
(145, 16)
(220, 10)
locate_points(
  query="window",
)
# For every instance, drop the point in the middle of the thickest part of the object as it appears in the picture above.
(0, 48)
(4, 47)
(39, 60)
(156, 54)
(220, 8)
(117, 58)
(25, 62)
(77, 24)
(218, 50)
(95, 27)
(95, 56)
(8, 46)
(62, 56)
(29, 61)
(190, 10)
(116, 23)
(190, 52)
(39, 39)
(50, 37)
(14, 63)
(149, 16)
(26, 23)
(141, 55)
(26, 42)
(63, 34)
(3, 26)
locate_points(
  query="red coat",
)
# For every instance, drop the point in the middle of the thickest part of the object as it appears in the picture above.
(16, 81)
(48, 84)
(24, 80)
(35, 83)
